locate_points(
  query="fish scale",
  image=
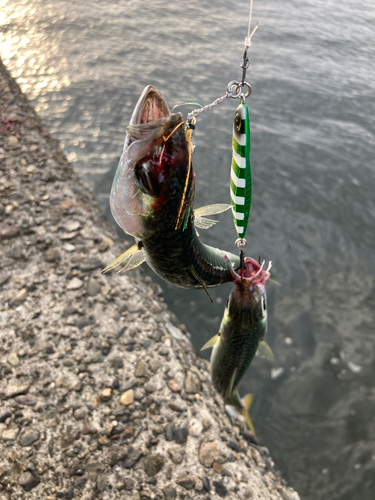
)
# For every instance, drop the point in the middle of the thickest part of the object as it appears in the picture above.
(238, 346)
(152, 199)
(241, 334)
(172, 258)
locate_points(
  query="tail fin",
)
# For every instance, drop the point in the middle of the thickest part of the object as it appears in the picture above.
(246, 401)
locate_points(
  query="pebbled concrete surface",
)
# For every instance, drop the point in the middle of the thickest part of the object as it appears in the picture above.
(102, 394)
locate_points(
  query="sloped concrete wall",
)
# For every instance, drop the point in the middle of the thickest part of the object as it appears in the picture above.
(102, 394)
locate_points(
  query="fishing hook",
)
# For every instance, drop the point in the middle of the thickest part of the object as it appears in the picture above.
(244, 66)
(241, 243)
(234, 87)
(242, 264)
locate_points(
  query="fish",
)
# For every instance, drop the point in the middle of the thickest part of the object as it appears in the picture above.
(241, 334)
(152, 199)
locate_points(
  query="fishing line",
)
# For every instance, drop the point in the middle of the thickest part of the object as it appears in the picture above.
(234, 87)
(240, 180)
(186, 104)
(173, 131)
(189, 132)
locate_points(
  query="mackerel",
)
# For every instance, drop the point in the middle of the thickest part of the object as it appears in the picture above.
(241, 334)
(152, 199)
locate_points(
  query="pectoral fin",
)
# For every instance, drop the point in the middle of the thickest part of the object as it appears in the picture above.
(217, 208)
(215, 340)
(133, 257)
(204, 223)
(264, 351)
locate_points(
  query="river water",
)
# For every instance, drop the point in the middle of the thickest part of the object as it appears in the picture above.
(312, 70)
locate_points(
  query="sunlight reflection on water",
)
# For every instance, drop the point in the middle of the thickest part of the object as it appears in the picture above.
(84, 65)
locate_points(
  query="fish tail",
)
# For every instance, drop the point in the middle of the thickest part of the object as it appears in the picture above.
(246, 403)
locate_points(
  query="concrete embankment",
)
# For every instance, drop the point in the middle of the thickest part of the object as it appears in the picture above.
(102, 394)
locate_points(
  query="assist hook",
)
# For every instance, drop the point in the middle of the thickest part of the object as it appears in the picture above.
(244, 66)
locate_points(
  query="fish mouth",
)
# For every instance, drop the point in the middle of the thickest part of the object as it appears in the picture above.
(252, 273)
(151, 117)
(150, 107)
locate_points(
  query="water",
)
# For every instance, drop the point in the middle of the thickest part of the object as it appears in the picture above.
(312, 70)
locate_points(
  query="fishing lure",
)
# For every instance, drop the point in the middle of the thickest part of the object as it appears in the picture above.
(240, 174)
(240, 178)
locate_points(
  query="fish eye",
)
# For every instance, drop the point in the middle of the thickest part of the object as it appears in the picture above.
(237, 121)
(145, 178)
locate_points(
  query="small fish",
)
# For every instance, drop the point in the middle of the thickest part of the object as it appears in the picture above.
(241, 334)
(152, 199)
(240, 179)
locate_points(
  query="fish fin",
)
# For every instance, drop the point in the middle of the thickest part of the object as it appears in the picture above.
(217, 208)
(132, 258)
(264, 351)
(134, 261)
(276, 282)
(233, 378)
(215, 340)
(201, 282)
(204, 223)
(246, 401)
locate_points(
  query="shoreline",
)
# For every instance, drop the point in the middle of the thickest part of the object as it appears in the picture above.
(102, 394)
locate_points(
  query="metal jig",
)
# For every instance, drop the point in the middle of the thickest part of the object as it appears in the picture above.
(236, 90)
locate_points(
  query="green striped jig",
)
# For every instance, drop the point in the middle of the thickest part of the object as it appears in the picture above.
(240, 175)
(240, 178)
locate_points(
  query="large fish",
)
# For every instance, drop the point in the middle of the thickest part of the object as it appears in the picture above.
(241, 334)
(152, 199)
